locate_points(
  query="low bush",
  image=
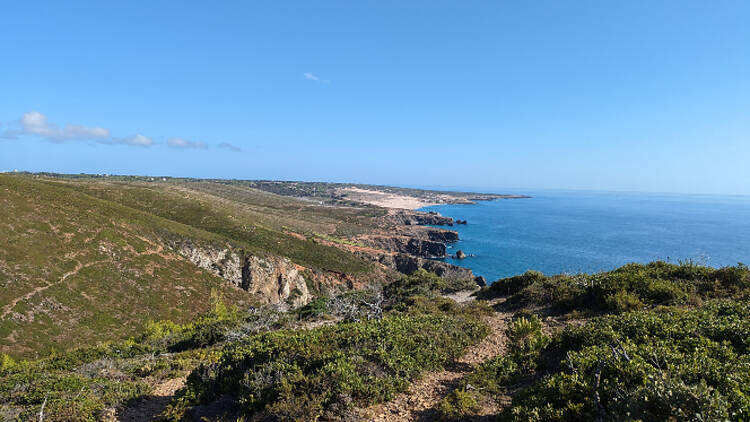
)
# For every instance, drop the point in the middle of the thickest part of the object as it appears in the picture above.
(306, 374)
(633, 286)
(665, 364)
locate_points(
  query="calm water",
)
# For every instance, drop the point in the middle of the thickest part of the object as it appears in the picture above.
(556, 232)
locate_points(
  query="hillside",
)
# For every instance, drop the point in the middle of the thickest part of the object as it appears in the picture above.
(85, 258)
(642, 342)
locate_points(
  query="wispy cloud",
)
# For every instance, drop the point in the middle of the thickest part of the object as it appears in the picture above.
(35, 123)
(138, 140)
(185, 144)
(229, 147)
(315, 78)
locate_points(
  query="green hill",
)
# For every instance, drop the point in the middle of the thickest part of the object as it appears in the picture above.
(85, 260)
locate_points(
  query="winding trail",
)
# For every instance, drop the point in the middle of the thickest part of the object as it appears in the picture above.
(147, 408)
(156, 249)
(9, 307)
(419, 402)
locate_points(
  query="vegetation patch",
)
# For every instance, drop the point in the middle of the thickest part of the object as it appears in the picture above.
(633, 286)
(323, 372)
(665, 364)
(427, 284)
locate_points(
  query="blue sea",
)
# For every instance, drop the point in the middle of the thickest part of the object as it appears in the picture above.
(571, 232)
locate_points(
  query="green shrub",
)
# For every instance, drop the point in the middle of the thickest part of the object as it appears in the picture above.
(526, 341)
(630, 287)
(424, 283)
(315, 308)
(302, 374)
(459, 404)
(665, 364)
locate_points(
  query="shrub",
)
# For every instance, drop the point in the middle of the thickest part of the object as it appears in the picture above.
(289, 374)
(425, 283)
(526, 341)
(459, 404)
(630, 287)
(665, 364)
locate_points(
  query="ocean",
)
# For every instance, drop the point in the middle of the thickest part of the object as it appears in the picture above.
(572, 232)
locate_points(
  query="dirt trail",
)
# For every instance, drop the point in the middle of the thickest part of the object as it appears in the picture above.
(9, 307)
(156, 249)
(146, 408)
(419, 401)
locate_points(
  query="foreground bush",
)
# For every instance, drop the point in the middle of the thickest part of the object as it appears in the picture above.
(306, 374)
(631, 287)
(425, 283)
(80, 384)
(668, 364)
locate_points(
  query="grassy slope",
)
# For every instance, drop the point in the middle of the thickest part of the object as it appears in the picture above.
(75, 270)
(88, 244)
(230, 219)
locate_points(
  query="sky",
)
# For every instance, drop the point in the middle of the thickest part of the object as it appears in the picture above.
(601, 95)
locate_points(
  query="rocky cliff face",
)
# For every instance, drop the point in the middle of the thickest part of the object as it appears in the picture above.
(274, 279)
(407, 264)
(409, 245)
(441, 235)
(411, 218)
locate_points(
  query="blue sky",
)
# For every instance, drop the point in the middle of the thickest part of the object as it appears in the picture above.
(605, 95)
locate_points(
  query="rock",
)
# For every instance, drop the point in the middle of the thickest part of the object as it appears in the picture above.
(460, 254)
(407, 264)
(405, 244)
(480, 280)
(274, 278)
(461, 221)
(412, 218)
(440, 235)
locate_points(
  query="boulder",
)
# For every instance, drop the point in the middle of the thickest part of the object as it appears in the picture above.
(460, 254)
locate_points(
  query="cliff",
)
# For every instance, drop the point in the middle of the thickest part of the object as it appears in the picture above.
(274, 279)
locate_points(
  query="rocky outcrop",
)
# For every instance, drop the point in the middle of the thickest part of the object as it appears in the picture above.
(440, 235)
(407, 264)
(460, 254)
(412, 218)
(405, 244)
(481, 281)
(274, 279)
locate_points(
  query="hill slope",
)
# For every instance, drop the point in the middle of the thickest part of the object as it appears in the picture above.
(75, 269)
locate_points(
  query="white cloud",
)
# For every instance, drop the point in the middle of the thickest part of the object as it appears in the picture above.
(138, 140)
(184, 144)
(230, 147)
(35, 123)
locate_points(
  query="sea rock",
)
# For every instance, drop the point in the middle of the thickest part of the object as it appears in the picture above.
(460, 254)
(461, 222)
(480, 280)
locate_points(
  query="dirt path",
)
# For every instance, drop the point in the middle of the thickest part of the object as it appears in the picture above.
(419, 402)
(9, 307)
(148, 407)
(156, 249)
